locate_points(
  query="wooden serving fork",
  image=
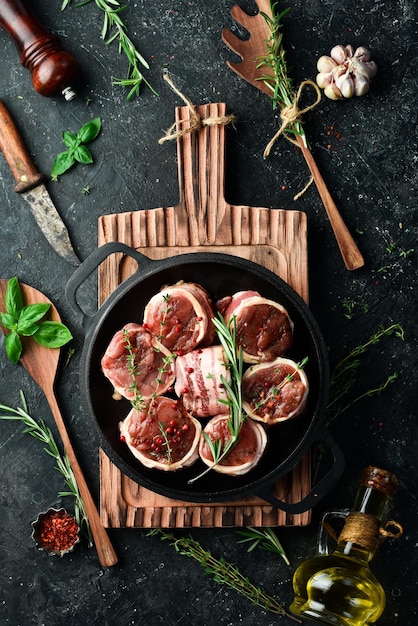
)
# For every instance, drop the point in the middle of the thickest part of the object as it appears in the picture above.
(250, 51)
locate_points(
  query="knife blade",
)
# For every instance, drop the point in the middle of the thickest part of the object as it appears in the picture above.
(29, 183)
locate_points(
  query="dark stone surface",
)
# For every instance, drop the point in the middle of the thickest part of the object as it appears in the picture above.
(366, 151)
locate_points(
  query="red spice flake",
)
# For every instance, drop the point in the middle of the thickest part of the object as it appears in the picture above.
(122, 438)
(190, 370)
(56, 531)
(185, 390)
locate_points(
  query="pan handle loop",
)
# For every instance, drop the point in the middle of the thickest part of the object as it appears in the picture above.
(318, 491)
(92, 262)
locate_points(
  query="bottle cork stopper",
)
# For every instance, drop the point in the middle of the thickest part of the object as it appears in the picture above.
(379, 479)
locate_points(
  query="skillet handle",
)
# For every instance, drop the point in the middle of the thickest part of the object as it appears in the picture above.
(318, 491)
(91, 264)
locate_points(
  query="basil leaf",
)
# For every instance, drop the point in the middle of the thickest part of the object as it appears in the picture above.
(89, 131)
(52, 334)
(13, 299)
(69, 139)
(32, 313)
(83, 155)
(8, 321)
(62, 163)
(27, 329)
(13, 346)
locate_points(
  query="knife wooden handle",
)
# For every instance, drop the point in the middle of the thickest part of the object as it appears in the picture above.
(17, 156)
(52, 69)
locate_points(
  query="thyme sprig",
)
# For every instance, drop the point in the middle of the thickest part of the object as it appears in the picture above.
(41, 432)
(344, 374)
(137, 401)
(264, 538)
(114, 29)
(223, 572)
(278, 79)
(227, 334)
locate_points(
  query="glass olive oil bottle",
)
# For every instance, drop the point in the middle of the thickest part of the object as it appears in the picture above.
(339, 588)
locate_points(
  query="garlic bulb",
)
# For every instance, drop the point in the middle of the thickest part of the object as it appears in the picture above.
(346, 73)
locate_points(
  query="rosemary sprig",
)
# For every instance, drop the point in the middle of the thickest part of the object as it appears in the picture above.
(344, 374)
(264, 538)
(227, 333)
(39, 430)
(278, 79)
(224, 572)
(112, 21)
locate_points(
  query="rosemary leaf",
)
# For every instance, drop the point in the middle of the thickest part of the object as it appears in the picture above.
(278, 79)
(41, 432)
(223, 572)
(114, 29)
(264, 538)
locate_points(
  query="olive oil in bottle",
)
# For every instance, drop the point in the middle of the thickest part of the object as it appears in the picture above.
(339, 588)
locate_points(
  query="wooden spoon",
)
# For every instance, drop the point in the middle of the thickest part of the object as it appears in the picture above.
(42, 363)
(250, 51)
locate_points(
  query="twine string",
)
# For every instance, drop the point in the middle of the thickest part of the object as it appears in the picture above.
(292, 114)
(196, 121)
(365, 531)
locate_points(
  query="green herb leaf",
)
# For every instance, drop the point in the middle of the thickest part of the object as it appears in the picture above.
(26, 329)
(89, 131)
(13, 346)
(14, 299)
(62, 163)
(52, 334)
(69, 139)
(25, 321)
(32, 313)
(8, 321)
(83, 155)
(41, 432)
(77, 151)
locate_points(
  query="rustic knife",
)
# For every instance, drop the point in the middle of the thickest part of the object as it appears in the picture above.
(29, 183)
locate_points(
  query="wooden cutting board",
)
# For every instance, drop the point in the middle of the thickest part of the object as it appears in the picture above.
(203, 220)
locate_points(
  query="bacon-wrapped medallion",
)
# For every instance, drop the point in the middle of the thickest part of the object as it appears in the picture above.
(180, 316)
(162, 435)
(199, 376)
(274, 392)
(137, 364)
(264, 328)
(244, 455)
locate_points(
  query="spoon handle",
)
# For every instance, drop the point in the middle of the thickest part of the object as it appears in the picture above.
(105, 550)
(352, 256)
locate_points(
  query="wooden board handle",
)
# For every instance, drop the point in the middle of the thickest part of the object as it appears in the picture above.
(52, 69)
(16, 154)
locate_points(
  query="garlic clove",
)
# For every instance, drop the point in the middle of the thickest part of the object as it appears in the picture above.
(346, 86)
(349, 51)
(323, 79)
(325, 64)
(338, 54)
(332, 92)
(361, 86)
(362, 54)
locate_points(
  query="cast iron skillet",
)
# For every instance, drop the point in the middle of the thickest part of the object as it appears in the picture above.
(221, 275)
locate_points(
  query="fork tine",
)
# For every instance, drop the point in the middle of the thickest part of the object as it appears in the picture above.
(232, 41)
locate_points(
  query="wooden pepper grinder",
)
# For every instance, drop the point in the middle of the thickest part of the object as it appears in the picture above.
(53, 70)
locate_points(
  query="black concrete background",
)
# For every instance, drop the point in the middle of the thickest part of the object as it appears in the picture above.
(366, 151)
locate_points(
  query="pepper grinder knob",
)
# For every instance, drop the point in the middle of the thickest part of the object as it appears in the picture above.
(53, 70)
